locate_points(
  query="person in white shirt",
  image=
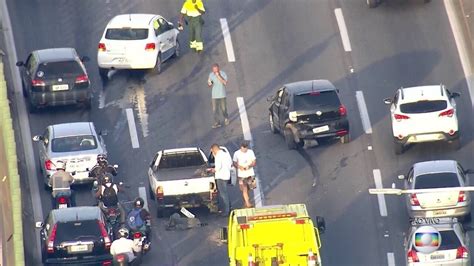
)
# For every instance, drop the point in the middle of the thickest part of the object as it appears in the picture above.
(222, 167)
(244, 162)
(123, 245)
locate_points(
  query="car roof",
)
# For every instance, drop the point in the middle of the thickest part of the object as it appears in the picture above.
(72, 129)
(441, 166)
(76, 214)
(131, 20)
(430, 92)
(56, 54)
(307, 86)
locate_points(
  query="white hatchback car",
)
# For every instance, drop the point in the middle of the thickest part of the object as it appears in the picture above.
(423, 114)
(137, 41)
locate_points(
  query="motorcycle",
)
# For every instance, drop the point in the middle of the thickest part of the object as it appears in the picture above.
(141, 242)
(122, 259)
(63, 199)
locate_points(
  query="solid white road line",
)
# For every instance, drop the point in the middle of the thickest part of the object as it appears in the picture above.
(132, 128)
(227, 40)
(343, 30)
(142, 194)
(258, 192)
(23, 120)
(391, 259)
(463, 48)
(380, 197)
(364, 114)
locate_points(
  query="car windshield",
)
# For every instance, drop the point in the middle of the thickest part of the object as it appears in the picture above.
(74, 143)
(437, 180)
(449, 240)
(309, 101)
(126, 34)
(423, 107)
(77, 230)
(59, 69)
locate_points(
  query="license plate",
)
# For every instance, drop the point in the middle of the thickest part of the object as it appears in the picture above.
(79, 248)
(437, 257)
(61, 87)
(62, 206)
(440, 212)
(321, 129)
(427, 137)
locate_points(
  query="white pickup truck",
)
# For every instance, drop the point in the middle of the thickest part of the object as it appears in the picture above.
(180, 178)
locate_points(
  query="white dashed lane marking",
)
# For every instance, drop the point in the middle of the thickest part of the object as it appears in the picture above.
(132, 128)
(364, 113)
(227, 40)
(343, 29)
(380, 197)
(391, 259)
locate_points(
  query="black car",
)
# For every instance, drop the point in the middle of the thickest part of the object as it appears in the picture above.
(305, 111)
(76, 235)
(53, 77)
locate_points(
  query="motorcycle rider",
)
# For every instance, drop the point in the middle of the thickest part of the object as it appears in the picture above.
(107, 194)
(60, 183)
(101, 168)
(139, 219)
(123, 245)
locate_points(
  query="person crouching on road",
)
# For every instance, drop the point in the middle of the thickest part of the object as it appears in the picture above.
(217, 81)
(193, 10)
(60, 183)
(222, 166)
(244, 161)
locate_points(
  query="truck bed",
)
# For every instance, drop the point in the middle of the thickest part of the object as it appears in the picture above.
(181, 173)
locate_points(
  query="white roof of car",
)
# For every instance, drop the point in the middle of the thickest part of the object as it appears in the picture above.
(71, 129)
(431, 92)
(131, 21)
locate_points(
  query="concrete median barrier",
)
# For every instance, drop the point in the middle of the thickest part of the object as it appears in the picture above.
(11, 228)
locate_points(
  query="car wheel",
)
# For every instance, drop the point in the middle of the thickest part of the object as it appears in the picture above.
(456, 143)
(152, 194)
(177, 48)
(104, 73)
(158, 63)
(345, 139)
(272, 125)
(398, 147)
(290, 139)
(160, 212)
(372, 3)
(31, 107)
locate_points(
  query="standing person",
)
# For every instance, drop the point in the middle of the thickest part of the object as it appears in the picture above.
(222, 166)
(193, 10)
(244, 161)
(217, 81)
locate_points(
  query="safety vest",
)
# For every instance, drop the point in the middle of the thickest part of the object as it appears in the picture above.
(189, 9)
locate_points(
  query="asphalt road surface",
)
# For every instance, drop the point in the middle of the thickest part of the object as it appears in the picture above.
(401, 43)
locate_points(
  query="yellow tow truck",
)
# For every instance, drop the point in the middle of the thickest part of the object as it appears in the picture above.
(273, 235)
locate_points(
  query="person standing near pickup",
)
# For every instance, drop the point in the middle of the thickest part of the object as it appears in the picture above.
(244, 162)
(222, 166)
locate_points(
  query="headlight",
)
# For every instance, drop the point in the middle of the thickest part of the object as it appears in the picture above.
(293, 116)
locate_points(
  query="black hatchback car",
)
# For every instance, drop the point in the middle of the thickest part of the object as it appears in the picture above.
(76, 235)
(53, 77)
(306, 111)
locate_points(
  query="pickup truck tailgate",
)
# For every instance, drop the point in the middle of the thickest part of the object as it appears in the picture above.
(186, 186)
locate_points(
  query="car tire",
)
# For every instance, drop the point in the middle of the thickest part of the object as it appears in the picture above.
(104, 73)
(272, 124)
(157, 69)
(160, 212)
(345, 139)
(177, 51)
(152, 194)
(456, 143)
(290, 139)
(372, 3)
(398, 147)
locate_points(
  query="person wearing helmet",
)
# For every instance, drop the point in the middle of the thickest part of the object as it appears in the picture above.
(138, 219)
(61, 181)
(123, 245)
(101, 168)
(107, 194)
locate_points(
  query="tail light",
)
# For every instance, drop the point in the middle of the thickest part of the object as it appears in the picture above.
(102, 47)
(462, 196)
(159, 192)
(51, 238)
(150, 46)
(400, 117)
(300, 221)
(104, 234)
(462, 253)
(311, 259)
(342, 132)
(251, 261)
(342, 110)
(244, 226)
(137, 235)
(120, 258)
(82, 79)
(48, 165)
(107, 263)
(414, 200)
(62, 200)
(448, 113)
(412, 256)
(37, 83)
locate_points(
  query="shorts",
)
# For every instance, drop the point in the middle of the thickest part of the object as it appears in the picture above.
(250, 182)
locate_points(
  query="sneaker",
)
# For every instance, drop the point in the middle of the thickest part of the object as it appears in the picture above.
(226, 121)
(216, 125)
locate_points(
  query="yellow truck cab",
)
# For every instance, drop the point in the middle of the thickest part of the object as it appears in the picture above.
(273, 235)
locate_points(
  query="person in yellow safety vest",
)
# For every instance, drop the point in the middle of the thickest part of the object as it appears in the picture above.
(193, 10)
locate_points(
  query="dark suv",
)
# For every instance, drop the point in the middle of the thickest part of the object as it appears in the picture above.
(76, 235)
(305, 111)
(53, 77)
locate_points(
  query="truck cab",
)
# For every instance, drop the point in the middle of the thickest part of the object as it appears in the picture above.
(273, 235)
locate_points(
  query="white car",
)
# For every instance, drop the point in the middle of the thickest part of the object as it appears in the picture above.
(423, 114)
(137, 41)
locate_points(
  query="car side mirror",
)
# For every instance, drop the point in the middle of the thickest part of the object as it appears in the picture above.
(469, 171)
(39, 225)
(85, 59)
(223, 234)
(401, 177)
(455, 94)
(321, 224)
(19, 63)
(387, 101)
(37, 138)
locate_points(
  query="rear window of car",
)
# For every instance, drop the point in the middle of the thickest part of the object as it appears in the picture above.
(437, 180)
(126, 34)
(449, 240)
(74, 143)
(59, 69)
(184, 159)
(77, 230)
(309, 101)
(423, 107)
